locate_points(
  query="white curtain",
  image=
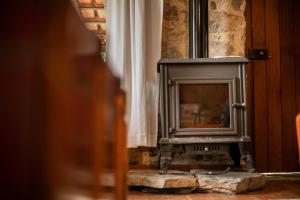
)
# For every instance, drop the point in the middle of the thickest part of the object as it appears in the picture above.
(133, 49)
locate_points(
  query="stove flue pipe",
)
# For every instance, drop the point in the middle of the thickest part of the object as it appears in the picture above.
(198, 29)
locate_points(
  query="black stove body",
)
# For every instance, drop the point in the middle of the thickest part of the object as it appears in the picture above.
(203, 107)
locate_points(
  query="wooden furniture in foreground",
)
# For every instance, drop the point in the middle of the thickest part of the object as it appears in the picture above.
(61, 119)
(298, 135)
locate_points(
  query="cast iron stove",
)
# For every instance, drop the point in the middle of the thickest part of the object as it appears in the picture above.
(203, 107)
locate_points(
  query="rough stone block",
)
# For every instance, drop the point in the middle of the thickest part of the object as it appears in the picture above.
(230, 183)
(151, 178)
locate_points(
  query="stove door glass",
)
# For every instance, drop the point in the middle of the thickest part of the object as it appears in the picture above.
(204, 105)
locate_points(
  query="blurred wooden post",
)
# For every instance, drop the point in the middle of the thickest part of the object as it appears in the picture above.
(120, 146)
(298, 137)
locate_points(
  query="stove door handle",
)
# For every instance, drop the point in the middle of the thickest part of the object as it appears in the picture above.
(239, 105)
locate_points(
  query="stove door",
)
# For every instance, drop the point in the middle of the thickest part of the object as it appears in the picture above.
(204, 107)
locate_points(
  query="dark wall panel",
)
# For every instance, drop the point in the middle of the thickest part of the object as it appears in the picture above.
(288, 85)
(296, 6)
(276, 83)
(274, 86)
(260, 88)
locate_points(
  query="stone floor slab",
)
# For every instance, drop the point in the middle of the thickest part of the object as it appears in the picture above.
(151, 178)
(230, 183)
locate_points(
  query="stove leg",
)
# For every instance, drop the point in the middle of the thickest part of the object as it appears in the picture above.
(165, 157)
(246, 160)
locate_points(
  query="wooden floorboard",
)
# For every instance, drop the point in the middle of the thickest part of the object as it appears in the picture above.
(275, 189)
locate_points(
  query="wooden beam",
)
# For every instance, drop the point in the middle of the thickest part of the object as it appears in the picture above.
(274, 87)
(249, 72)
(98, 31)
(98, 19)
(297, 51)
(93, 4)
(288, 85)
(260, 87)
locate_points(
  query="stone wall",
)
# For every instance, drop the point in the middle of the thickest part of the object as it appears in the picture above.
(175, 32)
(227, 28)
(94, 17)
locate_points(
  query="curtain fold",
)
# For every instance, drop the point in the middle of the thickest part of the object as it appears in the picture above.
(134, 30)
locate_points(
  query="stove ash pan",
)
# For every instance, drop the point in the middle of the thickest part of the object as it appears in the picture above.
(203, 102)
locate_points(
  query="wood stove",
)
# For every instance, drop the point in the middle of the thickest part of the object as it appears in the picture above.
(203, 104)
(203, 107)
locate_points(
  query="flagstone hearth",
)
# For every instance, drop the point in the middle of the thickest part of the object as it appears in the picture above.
(199, 181)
